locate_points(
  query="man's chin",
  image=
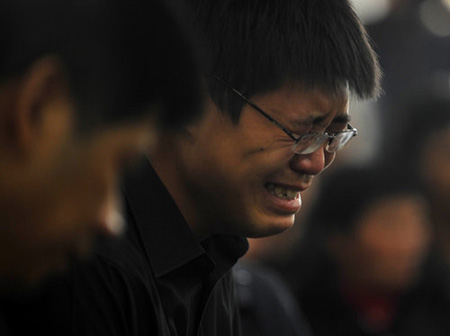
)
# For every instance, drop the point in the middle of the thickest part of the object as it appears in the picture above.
(274, 228)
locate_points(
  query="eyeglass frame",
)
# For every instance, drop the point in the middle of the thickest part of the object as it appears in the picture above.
(297, 140)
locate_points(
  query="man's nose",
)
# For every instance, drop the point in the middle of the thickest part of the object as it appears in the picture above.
(312, 164)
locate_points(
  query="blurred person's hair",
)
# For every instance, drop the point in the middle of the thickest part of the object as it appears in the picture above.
(259, 45)
(348, 192)
(426, 115)
(120, 57)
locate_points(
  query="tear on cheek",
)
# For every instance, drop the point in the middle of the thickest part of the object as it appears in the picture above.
(252, 152)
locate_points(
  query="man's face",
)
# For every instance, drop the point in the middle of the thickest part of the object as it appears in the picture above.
(58, 195)
(435, 165)
(244, 177)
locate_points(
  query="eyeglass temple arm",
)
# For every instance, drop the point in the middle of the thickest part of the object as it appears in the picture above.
(256, 107)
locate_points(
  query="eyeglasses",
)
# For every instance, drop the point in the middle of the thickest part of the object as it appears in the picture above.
(307, 143)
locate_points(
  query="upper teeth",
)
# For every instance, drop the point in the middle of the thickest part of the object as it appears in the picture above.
(282, 192)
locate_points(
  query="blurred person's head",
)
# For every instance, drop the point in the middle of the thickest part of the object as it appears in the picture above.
(279, 71)
(424, 147)
(435, 166)
(85, 86)
(425, 144)
(377, 227)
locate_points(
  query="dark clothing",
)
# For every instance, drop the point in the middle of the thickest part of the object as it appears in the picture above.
(267, 307)
(4, 331)
(422, 310)
(159, 281)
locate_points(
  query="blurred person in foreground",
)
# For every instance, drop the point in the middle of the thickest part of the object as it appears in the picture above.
(85, 87)
(376, 275)
(276, 114)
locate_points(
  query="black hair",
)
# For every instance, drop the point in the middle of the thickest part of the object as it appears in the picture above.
(425, 116)
(120, 56)
(346, 193)
(259, 45)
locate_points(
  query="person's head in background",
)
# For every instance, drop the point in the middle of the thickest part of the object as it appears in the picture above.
(375, 228)
(85, 86)
(424, 147)
(295, 62)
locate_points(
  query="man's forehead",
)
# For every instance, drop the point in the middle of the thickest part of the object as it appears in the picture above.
(317, 118)
(313, 107)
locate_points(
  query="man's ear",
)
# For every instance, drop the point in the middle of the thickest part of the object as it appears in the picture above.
(195, 128)
(31, 97)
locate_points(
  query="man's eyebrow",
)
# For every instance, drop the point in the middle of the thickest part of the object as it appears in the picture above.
(317, 120)
(342, 119)
(308, 121)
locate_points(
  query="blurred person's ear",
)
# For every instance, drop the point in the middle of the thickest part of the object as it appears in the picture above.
(36, 109)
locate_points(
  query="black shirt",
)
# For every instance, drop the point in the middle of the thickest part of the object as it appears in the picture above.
(159, 281)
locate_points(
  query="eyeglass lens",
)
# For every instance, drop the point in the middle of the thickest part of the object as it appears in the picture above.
(312, 142)
(339, 141)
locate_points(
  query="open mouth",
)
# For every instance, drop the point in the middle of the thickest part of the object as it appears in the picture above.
(282, 192)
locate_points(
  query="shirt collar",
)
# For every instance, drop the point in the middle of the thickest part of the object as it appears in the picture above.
(168, 241)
